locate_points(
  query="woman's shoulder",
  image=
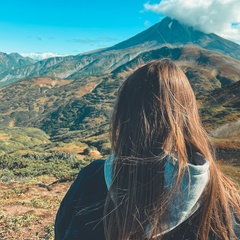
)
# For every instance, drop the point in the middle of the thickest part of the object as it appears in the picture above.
(94, 166)
(89, 178)
(91, 170)
(87, 190)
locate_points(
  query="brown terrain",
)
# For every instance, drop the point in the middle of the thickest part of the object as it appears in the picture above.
(28, 208)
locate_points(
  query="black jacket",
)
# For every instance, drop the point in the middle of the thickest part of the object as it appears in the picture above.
(80, 214)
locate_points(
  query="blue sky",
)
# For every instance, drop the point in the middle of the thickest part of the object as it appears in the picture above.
(75, 26)
(71, 26)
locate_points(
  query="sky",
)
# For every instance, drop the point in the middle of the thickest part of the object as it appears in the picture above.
(46, 28)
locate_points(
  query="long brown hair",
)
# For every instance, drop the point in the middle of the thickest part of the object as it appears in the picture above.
(156, 114)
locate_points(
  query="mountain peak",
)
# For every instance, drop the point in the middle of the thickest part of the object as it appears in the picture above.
(13, 61)
(168, 22)
(16, 55)
(172, 32)
(168, 31)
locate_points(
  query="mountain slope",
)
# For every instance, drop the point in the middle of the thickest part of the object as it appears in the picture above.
(58, 106)
(14, 139)
(205, 69)
(220, 106)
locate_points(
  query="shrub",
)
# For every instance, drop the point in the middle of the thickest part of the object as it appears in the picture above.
(58, 164)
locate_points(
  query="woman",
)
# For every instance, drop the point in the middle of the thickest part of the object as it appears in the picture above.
(161, 182)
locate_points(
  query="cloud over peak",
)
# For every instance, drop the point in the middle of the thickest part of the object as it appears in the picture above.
(211, 16)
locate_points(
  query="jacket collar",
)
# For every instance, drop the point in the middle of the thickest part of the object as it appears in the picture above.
(185, 201)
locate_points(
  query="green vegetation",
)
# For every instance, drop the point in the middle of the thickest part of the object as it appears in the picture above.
(220, 106)
(15, 223)
(14, 139)
(62, 166)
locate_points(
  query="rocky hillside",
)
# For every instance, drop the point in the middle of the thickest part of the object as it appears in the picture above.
(59, 106)
(221, 106)
(205, 69)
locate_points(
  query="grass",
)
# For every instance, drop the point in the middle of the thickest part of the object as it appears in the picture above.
(14, 139)
(14, 224)
(28, 209)
(230, 170)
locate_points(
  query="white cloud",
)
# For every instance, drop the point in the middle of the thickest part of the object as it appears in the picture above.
(41, 56)
(210, 16)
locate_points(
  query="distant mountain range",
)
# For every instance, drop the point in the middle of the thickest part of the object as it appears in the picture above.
(72, 97)
(168, 32)
(12, 61)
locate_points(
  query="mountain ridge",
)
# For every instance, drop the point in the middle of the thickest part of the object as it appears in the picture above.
(168, 32)
(14, 60)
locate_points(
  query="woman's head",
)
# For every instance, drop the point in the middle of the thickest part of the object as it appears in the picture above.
(156, 111)
(156, 114)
